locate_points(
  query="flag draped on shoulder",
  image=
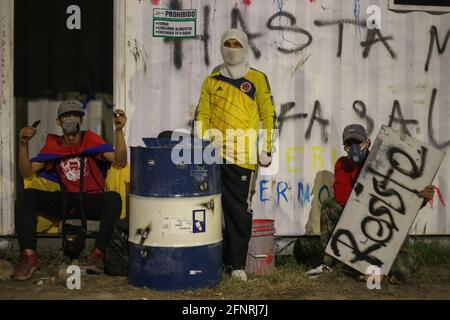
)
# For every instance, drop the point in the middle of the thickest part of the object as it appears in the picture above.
(92, 145)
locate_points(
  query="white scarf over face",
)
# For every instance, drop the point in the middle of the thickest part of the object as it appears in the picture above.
(235, 64)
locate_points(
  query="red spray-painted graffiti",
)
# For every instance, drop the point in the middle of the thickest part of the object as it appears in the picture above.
(259, 264)
(441, 198)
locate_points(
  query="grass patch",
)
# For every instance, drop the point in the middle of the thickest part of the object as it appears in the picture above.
(9, 254)
(288, 280)
(430, 253)
(50, 257)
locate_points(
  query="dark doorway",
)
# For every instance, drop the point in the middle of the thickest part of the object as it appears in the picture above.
(54, 61)
(50, 59)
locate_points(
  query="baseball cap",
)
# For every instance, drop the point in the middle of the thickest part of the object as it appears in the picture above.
(70, 106)
(354, 131)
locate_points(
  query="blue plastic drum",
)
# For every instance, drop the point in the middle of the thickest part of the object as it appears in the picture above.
(175, 218)
(154, 173)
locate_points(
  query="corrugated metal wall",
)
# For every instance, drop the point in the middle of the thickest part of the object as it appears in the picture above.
(315, 71)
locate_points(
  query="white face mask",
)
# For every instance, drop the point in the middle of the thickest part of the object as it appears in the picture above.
(235, 59)
(233, 56)
(71, 125)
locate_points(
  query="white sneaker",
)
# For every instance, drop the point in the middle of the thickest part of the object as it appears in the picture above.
(320, 269)
(239, 274)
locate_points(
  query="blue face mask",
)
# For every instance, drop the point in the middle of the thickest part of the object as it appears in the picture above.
(356, 154)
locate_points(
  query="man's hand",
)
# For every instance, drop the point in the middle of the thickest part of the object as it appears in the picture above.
(367, 144)
(119, 119)
(427, 193)
(26, 134)
(265, 160)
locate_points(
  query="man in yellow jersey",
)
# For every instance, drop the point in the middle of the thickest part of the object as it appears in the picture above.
(235, 99)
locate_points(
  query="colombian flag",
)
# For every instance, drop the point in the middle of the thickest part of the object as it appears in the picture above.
(92, 145)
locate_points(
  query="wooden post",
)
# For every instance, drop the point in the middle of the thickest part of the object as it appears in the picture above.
(7, 138)
(119, 53)
(120, 45)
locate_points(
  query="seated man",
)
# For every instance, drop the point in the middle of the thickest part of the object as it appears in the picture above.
(347, 170)
(59, 160)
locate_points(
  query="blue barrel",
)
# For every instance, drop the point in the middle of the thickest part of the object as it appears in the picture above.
(154, 173)
(175, 217)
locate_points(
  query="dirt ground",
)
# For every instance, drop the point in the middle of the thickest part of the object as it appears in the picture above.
(287, 282)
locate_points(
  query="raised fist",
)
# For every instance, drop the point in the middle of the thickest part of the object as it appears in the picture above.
(120, 119)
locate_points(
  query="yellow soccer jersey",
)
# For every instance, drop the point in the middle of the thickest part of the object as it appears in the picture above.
(233, 106)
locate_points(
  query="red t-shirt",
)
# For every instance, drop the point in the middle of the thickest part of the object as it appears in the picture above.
(345, 175)
(69, 168)
(69, 175)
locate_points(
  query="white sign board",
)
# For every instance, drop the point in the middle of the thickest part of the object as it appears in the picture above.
(174, 23)
(384, 202)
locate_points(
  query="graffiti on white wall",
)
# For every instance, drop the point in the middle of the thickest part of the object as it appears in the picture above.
(326, 69)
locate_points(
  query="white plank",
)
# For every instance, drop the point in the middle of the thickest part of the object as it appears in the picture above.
(7, 170)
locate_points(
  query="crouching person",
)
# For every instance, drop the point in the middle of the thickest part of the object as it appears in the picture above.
(347, 169)
(59, 160)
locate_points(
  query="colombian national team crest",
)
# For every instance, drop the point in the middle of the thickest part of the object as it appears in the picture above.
(246, 87)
